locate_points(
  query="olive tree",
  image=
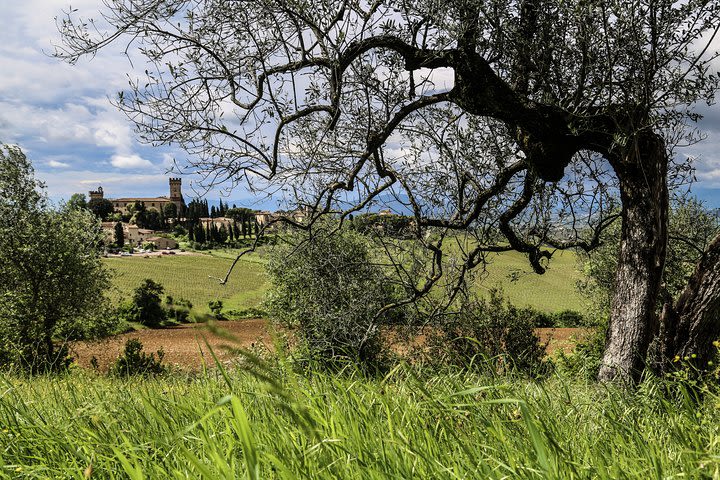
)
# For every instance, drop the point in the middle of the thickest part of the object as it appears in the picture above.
(53, 280)
(546, 107)
(330, 290)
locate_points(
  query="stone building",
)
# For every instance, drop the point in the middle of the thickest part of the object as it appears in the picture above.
(136, 236)
(163, 243)
(265, 217)
(157, 203)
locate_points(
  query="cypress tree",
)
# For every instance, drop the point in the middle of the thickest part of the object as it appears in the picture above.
(200, 233)
(119, 235)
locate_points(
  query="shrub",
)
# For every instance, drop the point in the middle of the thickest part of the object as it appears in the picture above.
(539, 319)
(585, 360)
(178, 313)
(331, 292)
(492, 330)
(216, 307)
(570, 319)
(178, 310)
(127, 311)
(134, 361)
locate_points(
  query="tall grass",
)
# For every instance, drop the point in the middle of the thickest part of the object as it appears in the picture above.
(406, 425)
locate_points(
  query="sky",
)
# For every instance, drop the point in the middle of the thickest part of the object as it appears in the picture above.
(62, 118)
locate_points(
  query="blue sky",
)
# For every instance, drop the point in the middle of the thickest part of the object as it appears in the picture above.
(61, 116)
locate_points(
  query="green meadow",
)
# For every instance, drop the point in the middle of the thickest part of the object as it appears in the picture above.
(553, 291)
(195, 278)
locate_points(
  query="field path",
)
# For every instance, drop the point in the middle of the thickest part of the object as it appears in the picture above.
(183, 345)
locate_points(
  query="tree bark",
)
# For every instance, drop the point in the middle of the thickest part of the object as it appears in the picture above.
(642, 171)
(690, 326)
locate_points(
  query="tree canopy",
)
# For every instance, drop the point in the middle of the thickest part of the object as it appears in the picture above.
(53, 281)
(512, 120)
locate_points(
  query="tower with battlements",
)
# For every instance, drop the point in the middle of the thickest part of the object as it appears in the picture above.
(176, 190)
(96, 194)
(176, 195)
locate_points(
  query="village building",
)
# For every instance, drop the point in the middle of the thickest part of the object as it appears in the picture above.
(163, 243)
(264, 217)
(217, 221)
(136, 236)
(109, 231)
(158, 203)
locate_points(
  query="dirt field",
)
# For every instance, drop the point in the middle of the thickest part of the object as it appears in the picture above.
(564, 339)
(185, 347)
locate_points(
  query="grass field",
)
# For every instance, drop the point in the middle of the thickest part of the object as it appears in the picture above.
(187, 276)
(551, 292)
(454, 426)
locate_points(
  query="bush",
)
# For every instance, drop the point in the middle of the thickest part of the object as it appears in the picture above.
(585, 360)
(178, 310)
(487, 332)
(127, 311)
(570, 319)
(177, 313)
(539, 319)
(330, 291)
(216, 307)
(134, 361)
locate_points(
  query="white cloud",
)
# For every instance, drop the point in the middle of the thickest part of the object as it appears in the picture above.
(130, 161)
(58, 164)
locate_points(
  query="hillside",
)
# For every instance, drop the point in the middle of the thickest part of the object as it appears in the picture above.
(189, 277)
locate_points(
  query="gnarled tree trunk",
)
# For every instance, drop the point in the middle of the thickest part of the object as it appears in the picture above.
(690, 326)
(642, 171)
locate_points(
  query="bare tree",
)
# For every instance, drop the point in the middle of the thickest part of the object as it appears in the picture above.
(546, 108)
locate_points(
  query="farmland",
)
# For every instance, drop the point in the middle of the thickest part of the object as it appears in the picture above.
(192, 277)
(188, 276)
(551, 292)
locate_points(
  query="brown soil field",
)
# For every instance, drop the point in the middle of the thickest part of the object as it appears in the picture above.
(562, 339)
(185, 345)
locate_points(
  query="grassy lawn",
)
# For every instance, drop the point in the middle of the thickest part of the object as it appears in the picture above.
(188, 276)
